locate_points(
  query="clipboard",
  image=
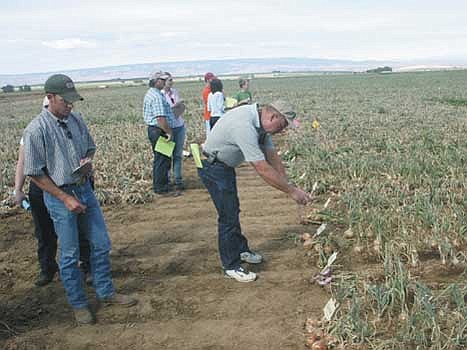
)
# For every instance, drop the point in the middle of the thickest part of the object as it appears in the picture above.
(164, 146)
(83, 169)
(196, 155)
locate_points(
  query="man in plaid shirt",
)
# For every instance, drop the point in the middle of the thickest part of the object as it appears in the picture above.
(160, 120)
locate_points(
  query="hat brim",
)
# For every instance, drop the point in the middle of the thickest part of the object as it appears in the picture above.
(291, 124)
(72, 96)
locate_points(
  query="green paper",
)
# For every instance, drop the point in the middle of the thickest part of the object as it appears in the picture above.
(196, 155)
(164, 146)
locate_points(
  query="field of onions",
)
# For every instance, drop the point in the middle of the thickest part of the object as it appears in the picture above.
(386, 161)
(388, 167)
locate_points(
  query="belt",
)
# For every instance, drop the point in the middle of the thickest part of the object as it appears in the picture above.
(78, 183)
(212, 159)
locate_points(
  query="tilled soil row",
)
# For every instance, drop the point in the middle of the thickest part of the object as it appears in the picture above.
(165, 254)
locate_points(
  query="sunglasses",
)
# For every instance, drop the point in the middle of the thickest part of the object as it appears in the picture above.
(64, 126)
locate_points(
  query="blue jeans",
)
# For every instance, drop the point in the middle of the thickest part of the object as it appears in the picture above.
(92, 223)
(221, 183)
(178, 135)
(46, 237)
(161, 163)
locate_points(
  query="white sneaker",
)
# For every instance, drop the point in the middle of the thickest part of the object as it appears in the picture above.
(251, 257)
(240, 275)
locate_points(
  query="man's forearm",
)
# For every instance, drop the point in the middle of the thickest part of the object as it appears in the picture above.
(46, 184)
(272, 176)
(19, 174)
(162, 122)
(275, 161)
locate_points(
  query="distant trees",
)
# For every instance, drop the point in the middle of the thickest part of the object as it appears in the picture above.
(11, 88)
(384, 69)
(24, 88)
(8, 88)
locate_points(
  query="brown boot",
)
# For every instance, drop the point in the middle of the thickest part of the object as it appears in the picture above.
(83, 316)
(119, 299)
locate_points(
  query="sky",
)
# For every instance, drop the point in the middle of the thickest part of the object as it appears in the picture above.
(44, 36)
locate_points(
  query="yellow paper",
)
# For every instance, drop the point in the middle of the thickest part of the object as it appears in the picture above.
(230, 102)
(164, 146)
(196, 155)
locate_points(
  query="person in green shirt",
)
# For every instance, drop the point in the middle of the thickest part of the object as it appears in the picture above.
(244, 95)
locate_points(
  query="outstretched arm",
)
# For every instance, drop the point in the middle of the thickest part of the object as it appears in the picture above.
(279, 181)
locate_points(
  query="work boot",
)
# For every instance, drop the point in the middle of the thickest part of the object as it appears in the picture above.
(119, 299)
(44, 279)
(83, 316)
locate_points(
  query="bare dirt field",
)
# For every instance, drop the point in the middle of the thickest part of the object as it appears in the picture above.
(165, 254)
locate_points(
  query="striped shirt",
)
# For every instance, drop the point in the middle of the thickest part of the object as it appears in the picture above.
(154, 106)
(55, 147)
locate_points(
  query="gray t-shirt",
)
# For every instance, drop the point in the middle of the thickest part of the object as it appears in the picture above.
(238, 136)
(55, 147)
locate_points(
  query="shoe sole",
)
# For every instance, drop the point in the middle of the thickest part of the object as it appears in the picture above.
(241, 281)
(251, 262)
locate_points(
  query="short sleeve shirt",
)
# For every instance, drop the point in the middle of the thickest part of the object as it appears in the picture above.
(155, 105)
(238, 136)
(243, 96)
(55, 149)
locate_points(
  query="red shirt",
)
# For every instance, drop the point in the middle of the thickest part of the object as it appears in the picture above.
(206, 91)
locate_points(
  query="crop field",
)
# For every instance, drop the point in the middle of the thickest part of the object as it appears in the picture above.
(385, 157)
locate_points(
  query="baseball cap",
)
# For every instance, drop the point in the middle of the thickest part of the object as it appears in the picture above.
(286, 109)
(209, 76)
(62, 85)
(159, 75)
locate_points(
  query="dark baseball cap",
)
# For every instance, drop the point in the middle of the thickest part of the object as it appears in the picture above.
(62, 85)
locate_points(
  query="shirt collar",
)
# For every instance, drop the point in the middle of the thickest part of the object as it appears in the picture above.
(257, 118)
(64, 120)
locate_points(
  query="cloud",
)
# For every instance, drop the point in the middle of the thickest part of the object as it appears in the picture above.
(70, 43)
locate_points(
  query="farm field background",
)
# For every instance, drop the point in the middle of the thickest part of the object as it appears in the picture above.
(387, 165)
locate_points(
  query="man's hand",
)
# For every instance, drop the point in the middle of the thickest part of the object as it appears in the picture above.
(169, 136)
(74, 205)
(19, 196)
(300, 196)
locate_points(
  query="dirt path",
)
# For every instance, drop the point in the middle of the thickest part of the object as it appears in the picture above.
(165, 254)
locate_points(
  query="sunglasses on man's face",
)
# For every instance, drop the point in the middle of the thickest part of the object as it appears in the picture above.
(64, 126)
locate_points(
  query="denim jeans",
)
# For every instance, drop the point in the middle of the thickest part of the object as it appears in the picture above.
(93, 225)
(161, 163)
(178, 135)
(221, 183)
(46, 237)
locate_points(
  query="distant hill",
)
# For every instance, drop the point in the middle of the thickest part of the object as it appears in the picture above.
(193, 68)
(219, 67)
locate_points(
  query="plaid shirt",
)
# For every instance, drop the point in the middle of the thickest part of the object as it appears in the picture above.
(55, 147)
(155, 105)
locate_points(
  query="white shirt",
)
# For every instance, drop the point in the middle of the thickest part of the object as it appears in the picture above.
(216, 104)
